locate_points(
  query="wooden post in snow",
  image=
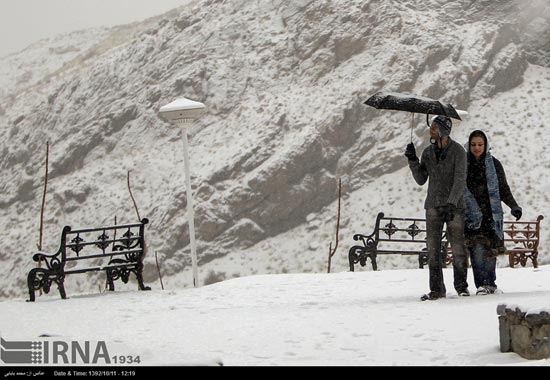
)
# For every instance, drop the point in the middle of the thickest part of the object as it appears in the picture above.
(331, 251)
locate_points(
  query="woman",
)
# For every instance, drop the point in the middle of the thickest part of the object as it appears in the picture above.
(486, 188)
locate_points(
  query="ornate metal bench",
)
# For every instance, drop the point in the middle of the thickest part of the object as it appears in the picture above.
(522, 240)
(407, 236)
(394, 235)
(100, 248)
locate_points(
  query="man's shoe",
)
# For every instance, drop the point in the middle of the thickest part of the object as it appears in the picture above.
(463, 293)
(432, 296)
(482, 291)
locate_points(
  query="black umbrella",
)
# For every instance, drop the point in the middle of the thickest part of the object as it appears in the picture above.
(411, 103)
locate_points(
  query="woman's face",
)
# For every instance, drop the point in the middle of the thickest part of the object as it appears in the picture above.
(477, 147)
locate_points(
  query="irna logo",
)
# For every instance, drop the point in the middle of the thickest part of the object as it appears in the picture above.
(54, 352)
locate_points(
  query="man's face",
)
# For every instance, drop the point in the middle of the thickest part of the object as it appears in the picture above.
(434, 130)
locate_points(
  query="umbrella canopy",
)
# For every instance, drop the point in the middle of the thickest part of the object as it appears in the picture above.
(411, 103)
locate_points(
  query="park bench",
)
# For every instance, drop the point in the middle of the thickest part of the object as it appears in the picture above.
(407, 236)
(117, 250)
(522, 239)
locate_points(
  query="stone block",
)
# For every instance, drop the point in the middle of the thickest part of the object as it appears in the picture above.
(527, 334)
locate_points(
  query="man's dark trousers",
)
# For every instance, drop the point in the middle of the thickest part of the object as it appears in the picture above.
(455, 236)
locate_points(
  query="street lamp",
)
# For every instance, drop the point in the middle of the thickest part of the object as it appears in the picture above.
(183, 112)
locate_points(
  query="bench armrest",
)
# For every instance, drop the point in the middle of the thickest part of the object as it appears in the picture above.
(41, 255)
(53, 261)
(368, 240)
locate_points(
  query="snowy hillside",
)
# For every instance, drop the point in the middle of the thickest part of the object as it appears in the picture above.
(48, 59)
(284, 83)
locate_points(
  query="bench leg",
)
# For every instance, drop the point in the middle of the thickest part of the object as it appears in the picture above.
(422, 260)
(31, 278)
(110, 282)
(139, 277)
(373, 261)
(61, 286)
(361, 257)
(522, 259)
(352, 257)
(62, 291)
(511, 260)
(38, 278)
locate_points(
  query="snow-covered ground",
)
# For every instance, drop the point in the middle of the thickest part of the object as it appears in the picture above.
(300, 319)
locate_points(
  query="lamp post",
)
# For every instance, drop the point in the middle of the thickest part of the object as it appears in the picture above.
(183, 112)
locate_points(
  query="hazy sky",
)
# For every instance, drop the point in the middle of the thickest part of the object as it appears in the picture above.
(23, 22)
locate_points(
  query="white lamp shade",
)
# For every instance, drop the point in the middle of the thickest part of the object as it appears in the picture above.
(182, 108)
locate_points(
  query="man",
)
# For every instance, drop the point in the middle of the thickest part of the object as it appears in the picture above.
(443, 162)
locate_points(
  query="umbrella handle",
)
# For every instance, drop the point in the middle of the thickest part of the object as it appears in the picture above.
(412, 125)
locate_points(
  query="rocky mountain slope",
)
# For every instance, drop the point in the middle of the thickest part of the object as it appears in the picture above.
(284, 83)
